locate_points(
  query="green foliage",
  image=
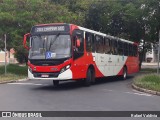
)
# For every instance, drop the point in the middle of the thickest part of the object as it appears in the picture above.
(14, 72)
(118, 18)
(15, 69)
(18, 16)
(148, 70)
(21, 55)
(10, 77)
(129, 19)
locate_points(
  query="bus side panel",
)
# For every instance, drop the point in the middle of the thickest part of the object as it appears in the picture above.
(132, 64)
(112, 64)
(80, 66)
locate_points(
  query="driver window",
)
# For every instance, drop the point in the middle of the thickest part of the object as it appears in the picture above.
(78, 35)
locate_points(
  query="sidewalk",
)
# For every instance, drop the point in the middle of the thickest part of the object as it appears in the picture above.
(149, 65)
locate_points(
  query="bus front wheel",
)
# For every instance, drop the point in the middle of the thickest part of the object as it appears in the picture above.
(55, 82)
(88, 79)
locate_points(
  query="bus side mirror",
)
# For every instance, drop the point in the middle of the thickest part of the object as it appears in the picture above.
(78, 43)
(25, 41)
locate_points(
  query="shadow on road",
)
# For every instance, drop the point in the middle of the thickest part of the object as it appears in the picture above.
(70, 85)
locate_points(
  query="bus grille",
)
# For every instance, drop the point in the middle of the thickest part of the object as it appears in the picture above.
(50, 75)
(45, 62)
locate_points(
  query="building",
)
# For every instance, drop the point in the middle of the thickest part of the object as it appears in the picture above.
(9, 57)
(152, 55)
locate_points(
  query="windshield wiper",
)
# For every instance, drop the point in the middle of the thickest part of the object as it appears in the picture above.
(52, 41)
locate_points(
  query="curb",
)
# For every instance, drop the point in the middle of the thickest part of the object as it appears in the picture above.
(145, 90)
(12, 81)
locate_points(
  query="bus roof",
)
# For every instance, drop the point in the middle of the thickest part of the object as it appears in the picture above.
(105, 35)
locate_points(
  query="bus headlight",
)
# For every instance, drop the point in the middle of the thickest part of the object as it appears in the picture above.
(30, 69)
(65, 68)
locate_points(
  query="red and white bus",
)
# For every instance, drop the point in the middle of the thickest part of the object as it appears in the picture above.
(63, 51)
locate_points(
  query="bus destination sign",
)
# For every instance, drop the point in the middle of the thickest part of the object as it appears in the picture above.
(50, 29)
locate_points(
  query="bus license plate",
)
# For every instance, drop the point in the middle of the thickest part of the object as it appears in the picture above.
(45, 76)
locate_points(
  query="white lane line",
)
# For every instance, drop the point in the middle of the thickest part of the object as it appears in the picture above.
(26, 84)
(110, 90)
(142, 94)
(132, 93)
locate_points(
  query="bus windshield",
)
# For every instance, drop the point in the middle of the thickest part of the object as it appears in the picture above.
(50, 47)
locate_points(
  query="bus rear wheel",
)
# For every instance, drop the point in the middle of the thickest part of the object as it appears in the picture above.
(124, 76)
(55, 82)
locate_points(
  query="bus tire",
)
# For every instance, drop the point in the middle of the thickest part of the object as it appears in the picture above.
(93, 76)
(55, 82)
(124, 76)
(88, 79)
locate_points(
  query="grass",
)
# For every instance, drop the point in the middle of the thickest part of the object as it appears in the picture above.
(151, 70)
(150, 81)
(14, 72)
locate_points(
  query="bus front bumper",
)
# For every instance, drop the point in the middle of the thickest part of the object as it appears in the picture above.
(66, 75)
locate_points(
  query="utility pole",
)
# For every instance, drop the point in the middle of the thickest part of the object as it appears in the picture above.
(158, 53)
(5, 53)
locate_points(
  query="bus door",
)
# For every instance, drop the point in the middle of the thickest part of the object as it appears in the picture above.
(78, 53)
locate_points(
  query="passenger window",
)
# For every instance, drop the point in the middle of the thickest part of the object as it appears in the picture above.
(126, 49)
(88, 42)
(135, 49)
(130, 50)
(113, 47)
(93, 43)
(120, 48)
(99, 44)
(106, 45)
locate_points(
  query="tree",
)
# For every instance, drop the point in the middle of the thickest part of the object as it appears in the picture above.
(18, 16)
(133, 20)
(79, 7)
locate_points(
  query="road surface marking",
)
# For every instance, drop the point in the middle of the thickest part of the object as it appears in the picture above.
(143, 94)
(133, 93)
(27, 84)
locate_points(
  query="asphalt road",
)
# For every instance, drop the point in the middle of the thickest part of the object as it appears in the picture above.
(109, 94)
